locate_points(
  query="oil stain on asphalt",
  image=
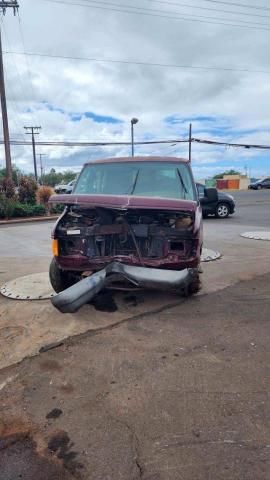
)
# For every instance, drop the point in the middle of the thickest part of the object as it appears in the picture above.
(53, 414)
(19, 459)
(104, 302)
(60, 445)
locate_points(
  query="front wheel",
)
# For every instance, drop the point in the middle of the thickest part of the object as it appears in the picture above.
(222, 210)
(259, 187)
(60, 279)
(193, 286)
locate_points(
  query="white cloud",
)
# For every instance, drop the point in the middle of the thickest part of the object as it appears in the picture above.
(237, 99)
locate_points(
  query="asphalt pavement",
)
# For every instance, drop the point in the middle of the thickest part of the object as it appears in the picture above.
(162, 388)
(252, 208)
(178, 394)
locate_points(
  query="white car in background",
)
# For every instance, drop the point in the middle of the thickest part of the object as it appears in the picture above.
(65, 188)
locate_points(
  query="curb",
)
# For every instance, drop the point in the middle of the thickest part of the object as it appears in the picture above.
(228, 190)
(28, 220)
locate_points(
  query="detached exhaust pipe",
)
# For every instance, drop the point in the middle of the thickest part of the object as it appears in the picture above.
(73, 298)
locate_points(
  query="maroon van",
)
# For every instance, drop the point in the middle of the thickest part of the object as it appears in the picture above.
(135, 219)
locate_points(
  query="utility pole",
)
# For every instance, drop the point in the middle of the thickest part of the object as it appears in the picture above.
(33, 131)
(42, 169)
(189, 142)
(3, 7)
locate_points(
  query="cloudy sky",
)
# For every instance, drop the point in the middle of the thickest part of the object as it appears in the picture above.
(94, 100)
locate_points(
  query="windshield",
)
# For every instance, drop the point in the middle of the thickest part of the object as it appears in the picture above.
(147, 179)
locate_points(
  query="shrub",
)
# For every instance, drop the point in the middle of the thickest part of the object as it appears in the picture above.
(38, 210)
(43, 194)
(26, 210)
(57, 209)
(7, 187)
(7, 206)
(27, 190)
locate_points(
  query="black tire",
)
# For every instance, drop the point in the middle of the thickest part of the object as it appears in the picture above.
(60, 279)
(259, 187)
(193, 287)
(222, 210)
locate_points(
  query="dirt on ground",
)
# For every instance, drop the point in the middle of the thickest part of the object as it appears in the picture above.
(180, 394)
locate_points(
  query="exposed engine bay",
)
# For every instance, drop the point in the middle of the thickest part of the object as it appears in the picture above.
(140, 233)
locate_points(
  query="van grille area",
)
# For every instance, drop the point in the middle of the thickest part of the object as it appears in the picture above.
(153, 236)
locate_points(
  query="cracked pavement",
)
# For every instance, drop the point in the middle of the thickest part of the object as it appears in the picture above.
(163, 388)
(26, 327)
(183, 393)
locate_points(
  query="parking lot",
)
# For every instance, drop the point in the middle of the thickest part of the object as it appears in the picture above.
(160, 388)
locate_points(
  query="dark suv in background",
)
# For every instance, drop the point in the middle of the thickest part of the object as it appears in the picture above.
(264, 183)
(221, 206)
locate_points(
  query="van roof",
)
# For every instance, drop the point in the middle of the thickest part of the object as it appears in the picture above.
(138, 159)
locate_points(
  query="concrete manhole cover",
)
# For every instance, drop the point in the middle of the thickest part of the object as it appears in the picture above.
(30, 287)
(256, 235)
(209, 255)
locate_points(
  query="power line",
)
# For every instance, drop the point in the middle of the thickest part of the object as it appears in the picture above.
(92, 144)
(131, 62)
(197, 7)
(242, 5)
(19, 76)
(23, 85)
(182, 18)
(141, 9)
(228, 144)
(28, 69)
(147, 142)
(185, 5)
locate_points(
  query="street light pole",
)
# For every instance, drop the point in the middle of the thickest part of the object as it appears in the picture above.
(133, 122)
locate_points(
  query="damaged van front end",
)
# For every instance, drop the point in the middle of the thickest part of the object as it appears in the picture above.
(144, 240)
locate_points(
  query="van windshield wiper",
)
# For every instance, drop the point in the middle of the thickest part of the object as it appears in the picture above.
(135, 182)
(182, 182)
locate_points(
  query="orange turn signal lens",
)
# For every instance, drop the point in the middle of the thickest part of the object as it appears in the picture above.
(55, 248)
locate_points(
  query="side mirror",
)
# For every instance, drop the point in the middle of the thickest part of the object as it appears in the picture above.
(211, 194)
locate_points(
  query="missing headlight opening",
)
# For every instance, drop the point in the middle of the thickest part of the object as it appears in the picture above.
(104, 232)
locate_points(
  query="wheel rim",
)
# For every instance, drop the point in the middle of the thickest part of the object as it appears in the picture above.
(222, 211)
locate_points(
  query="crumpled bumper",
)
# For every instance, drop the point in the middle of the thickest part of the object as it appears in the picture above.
(71, 299)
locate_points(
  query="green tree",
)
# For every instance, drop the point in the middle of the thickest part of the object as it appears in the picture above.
(68, 176)
(54, 178)
(227, 172)
(16, 174)
(51, 179)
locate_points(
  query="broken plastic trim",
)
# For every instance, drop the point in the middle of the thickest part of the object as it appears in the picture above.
(73, 298)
